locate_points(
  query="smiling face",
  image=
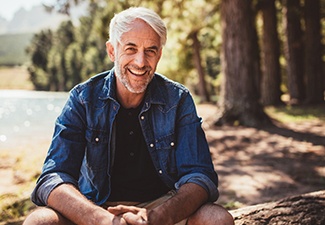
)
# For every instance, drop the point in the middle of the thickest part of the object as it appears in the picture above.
(136, 57)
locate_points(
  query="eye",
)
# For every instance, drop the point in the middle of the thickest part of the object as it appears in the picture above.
(151, 52)
(130, 50)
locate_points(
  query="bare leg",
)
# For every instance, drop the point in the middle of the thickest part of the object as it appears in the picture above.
(46, 216)
(211, 214)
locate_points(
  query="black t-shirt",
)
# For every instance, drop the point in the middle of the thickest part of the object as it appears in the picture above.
(133, 176)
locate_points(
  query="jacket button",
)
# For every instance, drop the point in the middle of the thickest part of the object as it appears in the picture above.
(172, 144)
(151, 145)
(160, 172)
(97, 139)
(142, 117)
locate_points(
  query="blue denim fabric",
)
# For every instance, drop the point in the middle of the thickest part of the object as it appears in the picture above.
(82, 149)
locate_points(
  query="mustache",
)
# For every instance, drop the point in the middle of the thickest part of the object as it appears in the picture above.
(144, 68)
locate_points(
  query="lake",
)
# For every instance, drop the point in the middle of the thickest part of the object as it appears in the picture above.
(28, 116)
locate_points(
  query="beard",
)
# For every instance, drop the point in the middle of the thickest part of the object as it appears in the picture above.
(136, 87)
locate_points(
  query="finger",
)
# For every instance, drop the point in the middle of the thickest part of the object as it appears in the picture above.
(120, 209)
(134, 219)
(118, 220)
(114, 210)
(143, 213)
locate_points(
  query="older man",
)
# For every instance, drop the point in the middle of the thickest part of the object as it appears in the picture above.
(128, 147)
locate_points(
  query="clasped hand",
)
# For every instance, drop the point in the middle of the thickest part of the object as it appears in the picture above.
(129, 215)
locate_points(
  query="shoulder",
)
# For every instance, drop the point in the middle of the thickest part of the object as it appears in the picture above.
(168, 93)
(96, 87)
(97, 81)
(170, 86)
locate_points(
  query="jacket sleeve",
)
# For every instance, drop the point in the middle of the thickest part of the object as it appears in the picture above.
(66, 152)
(194, 161)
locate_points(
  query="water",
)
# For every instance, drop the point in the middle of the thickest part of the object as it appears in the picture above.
(28, 116)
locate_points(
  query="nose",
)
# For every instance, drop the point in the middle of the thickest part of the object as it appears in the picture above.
(140, 59)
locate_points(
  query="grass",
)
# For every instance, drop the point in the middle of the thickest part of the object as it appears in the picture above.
(15, 212)
(288, 114)
(15, 206)
(19, 170)
(15, 78)
(12, 48)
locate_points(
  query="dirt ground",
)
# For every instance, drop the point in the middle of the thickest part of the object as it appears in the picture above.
(257, 166)
(254, 166)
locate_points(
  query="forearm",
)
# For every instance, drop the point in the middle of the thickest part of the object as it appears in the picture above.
(67, 200)
(188, 199)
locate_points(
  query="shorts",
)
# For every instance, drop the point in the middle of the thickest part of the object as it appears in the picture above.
(147, 205)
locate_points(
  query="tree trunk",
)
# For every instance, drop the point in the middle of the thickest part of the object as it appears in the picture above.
(294, 50)
(271, 79)
(313, 51)
(304, 209)
(203, 92)
(239, 92)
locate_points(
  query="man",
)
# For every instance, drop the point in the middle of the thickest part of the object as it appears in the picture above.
(128, 147)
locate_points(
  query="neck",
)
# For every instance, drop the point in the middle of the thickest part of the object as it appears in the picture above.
(128, 99)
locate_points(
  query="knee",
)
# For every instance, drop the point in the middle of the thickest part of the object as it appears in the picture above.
(225, 217)
(211, 214)
(42, 216)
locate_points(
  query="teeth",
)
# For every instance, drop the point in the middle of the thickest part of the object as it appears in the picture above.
(138, 72)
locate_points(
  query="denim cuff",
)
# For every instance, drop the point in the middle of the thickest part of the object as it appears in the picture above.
(46, 184)
(201, 180)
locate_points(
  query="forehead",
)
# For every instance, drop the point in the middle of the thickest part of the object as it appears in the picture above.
(140, 34)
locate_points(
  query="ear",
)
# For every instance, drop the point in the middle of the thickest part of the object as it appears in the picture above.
(110, 51)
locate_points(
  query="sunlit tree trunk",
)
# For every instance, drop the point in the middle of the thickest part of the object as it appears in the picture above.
(294, 50)
(239, 93)
(271, 79)
(203, 92)
(313, 53)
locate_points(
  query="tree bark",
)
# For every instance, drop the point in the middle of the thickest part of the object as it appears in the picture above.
(271, 79)
(294, 50)
(304, 209)
(203, 92)
(239, 93)
(313, 51)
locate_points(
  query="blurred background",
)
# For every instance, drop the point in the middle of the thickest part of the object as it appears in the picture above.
(252, 60)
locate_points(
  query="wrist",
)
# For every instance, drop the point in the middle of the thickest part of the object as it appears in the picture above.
(159, 216)
(100, 216)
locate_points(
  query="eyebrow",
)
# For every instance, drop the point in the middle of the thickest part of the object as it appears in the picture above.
(154, 47)
(130, 44)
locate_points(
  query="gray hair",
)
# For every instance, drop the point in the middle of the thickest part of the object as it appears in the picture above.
(122, 22)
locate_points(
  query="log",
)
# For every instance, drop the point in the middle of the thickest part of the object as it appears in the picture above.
(306, 209)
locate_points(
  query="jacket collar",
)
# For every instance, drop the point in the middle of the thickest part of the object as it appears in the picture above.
(155, 92)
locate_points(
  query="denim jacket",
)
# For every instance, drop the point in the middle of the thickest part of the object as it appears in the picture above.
(82, 148)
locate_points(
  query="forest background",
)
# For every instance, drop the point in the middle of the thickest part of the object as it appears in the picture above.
(250, 59)
(239, 53)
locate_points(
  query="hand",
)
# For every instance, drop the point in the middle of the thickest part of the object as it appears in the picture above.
(104, 217)
(118, 220)
(131, 214)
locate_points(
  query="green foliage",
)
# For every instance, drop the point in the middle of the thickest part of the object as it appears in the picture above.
(12, 49)
(73, 63)
(73, 54)
(62, 58)
(38, 51)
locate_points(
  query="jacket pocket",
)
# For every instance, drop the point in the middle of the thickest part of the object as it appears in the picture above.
(166, 147)
(97, 149)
